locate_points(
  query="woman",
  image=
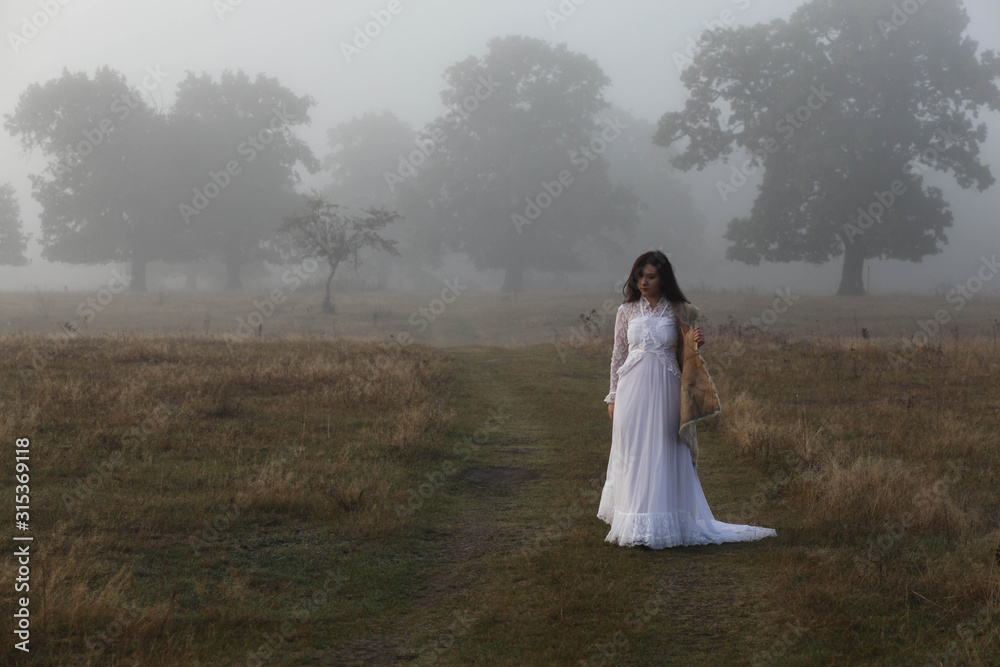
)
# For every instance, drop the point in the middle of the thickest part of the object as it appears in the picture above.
(652, 495)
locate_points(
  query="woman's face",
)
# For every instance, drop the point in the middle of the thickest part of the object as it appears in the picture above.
(648, 281)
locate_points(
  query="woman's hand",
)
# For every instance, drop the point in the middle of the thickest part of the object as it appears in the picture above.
(611, 411)
(698, 337)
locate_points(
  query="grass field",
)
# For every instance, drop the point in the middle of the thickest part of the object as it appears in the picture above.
(471, 318)
(310, 497)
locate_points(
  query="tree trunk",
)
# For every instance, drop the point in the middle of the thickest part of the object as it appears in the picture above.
(513, 279)
(382, 275)
(138, 282)
(233, 273)
(851, 279)
(327, 303)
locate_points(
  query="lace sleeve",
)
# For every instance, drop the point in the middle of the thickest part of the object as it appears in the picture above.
(620, 351)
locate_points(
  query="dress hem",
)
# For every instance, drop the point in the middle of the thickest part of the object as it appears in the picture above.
(672, 529)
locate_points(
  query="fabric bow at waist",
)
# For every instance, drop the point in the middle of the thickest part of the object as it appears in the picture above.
(667, 356)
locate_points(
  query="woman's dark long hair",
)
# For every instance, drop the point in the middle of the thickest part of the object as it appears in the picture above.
(669, 289)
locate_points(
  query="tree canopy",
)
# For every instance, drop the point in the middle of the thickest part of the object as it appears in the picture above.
(329, 231)
(365, 152)
(668, 216)
(101, 197)
(515, 175)
(845, 107)
(212, 178)
(241, 160)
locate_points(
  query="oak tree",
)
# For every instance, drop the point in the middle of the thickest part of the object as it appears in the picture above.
(845, 106)
(517, 177)
(102, 192)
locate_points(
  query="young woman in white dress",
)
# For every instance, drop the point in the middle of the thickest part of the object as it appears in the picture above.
(652, 495)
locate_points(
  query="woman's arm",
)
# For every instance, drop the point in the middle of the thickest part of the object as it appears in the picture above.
(693, 312)
(620, 351)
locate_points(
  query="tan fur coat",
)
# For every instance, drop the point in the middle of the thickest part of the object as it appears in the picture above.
(699, 399)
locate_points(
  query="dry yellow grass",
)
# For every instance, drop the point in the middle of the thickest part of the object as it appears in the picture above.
(167, 445)
(187, 496)
(895, 464)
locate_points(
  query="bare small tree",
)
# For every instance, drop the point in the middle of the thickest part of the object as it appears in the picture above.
(326, 231)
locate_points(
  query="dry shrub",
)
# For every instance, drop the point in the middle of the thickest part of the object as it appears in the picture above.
(79, 594)
(966, 573)
(750, 428)
(873, 493)
(274, 483)
(409, 425)
(145, 351)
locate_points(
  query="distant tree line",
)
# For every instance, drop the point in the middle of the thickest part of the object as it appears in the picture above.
(212, 177)
(842, 108)
(515, 173)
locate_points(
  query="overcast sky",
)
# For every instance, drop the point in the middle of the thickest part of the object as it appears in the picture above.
(401, 70)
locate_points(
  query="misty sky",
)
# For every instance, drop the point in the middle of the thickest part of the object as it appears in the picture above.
(401, 70)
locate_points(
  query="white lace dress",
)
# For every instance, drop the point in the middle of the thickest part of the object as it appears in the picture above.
(652, 494)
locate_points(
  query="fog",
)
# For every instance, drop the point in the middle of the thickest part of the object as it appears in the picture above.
(402, 69)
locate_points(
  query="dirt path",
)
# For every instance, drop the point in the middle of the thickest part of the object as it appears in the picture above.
(520, 573)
